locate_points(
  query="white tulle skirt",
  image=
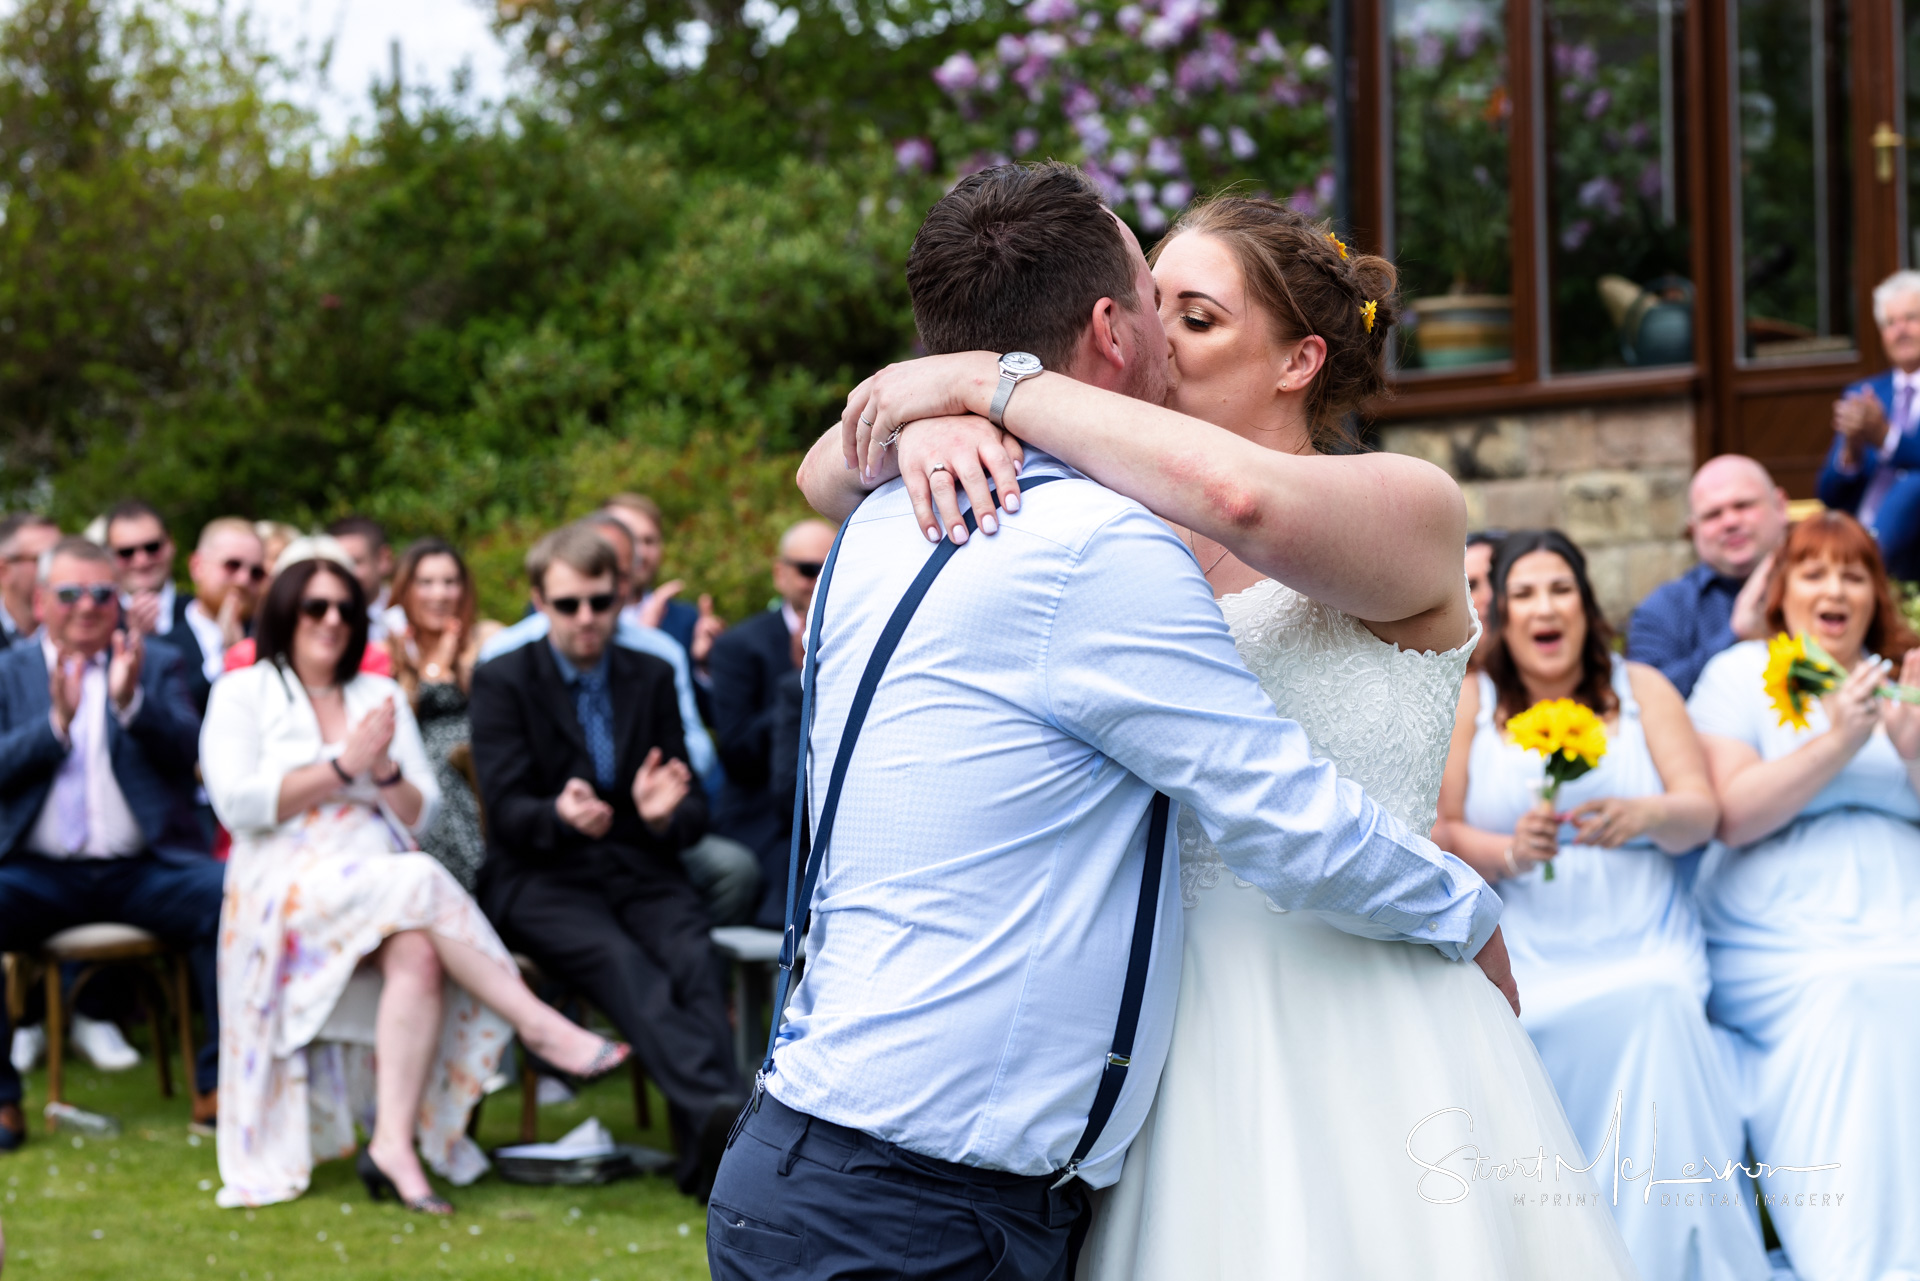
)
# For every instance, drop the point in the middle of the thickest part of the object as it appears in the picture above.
(1335, 1107)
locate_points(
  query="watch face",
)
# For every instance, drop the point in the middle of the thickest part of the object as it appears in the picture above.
(1021, 364)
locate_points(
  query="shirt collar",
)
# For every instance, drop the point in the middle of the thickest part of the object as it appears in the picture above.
(51, 653)
(571, 674)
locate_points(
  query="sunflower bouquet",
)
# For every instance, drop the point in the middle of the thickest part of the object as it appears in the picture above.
(1570, 737)
(1799, 671)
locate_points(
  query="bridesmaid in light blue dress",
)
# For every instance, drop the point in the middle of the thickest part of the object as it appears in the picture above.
(1812, 913)
(1609, 954)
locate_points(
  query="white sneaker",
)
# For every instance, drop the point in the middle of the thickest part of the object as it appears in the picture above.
(102, 1044)
(552, 1090)
(28, 1044)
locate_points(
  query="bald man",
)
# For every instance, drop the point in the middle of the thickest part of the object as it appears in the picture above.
(1736, 517)
(747, 664)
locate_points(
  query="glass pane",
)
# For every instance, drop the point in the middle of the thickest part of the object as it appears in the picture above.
(1451, 117)
(1795, 188)
(1616, 200)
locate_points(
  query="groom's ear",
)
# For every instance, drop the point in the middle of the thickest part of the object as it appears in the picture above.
(1101, 355)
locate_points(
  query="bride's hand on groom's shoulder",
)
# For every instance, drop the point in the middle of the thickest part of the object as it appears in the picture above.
(940, 457)
(1493, 962)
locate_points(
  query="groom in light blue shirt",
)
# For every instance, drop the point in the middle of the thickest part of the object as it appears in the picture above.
(971, 928)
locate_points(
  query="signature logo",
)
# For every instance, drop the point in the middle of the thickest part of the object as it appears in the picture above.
(1467, 1163)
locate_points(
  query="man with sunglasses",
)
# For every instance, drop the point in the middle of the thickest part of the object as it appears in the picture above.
(98, 739)
(747, 666)
(582, 761)
(229, 572)
(143, 560)
(22, 538)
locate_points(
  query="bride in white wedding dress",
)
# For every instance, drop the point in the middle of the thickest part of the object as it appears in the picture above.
(1331, 1106)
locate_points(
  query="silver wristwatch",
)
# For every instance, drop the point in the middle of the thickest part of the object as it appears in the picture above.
(1015, 368)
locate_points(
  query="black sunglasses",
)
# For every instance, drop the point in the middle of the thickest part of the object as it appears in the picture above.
(151, 549)
(806, 568)
(98, 593)
(318, 607)
(255, 572)
(568, 606)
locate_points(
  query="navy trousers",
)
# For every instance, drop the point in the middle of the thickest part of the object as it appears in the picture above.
(799, 1197)
(174, 894)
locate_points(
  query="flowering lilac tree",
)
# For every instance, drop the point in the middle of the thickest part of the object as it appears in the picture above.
(1157, 99)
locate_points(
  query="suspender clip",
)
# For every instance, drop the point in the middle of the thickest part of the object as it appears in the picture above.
(1068, 1175)
(787, 950)
(1120, 1060)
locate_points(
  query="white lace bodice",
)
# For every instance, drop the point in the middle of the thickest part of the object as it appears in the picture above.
(1381, 714)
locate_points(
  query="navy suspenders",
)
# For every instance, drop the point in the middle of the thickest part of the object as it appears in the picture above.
(809, 849)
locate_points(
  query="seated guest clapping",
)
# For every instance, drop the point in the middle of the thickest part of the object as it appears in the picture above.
(97, 822)
(589, 801)
(1812, 908)
(318, 771)
(1608, 954)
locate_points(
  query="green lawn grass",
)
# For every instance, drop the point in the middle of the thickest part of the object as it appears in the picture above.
(140, 1206)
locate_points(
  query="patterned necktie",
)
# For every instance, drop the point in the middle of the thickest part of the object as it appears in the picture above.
(69, 796)
(596, 722)
(1876, 491)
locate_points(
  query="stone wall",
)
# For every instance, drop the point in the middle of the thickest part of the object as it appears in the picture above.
(1612, 477)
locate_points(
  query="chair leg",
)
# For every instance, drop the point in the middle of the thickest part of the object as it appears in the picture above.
(529, 1099)
(642, 1106)
(56, 1036)
(183, 1019)
(156, 1019)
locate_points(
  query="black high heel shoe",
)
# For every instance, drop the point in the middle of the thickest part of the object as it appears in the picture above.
(378, 1185)
(611, 1057)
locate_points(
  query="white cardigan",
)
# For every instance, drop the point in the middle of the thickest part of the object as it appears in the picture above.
(260, 727)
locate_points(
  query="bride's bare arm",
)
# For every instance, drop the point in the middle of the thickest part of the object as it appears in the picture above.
(1378, 536)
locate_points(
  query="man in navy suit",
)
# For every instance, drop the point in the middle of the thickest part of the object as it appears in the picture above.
(748, 664)
(98, 739)
(1873, 470)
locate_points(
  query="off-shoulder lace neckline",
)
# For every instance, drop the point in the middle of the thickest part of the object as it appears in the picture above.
(1271, 586)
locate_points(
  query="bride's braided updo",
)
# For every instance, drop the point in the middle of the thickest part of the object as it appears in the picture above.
(1309, 283)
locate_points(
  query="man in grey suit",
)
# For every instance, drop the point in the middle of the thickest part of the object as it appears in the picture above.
(98, 739)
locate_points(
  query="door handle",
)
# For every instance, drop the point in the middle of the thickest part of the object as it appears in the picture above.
(1885, 143)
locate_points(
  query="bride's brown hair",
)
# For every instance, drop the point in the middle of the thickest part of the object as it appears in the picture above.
(1309, 284)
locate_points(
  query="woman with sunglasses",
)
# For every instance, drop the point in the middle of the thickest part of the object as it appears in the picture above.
(335, 936)
(433, 656)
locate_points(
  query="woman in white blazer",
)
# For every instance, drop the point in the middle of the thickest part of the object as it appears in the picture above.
(317, 771)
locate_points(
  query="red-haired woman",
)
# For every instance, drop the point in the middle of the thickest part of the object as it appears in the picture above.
(1812, 909)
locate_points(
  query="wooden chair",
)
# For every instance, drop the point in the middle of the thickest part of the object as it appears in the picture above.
(93, 948)
(461, 758)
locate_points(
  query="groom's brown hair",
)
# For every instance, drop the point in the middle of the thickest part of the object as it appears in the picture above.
(1014, 259)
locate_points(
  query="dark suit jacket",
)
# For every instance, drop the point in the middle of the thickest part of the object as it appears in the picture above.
(153, 758)
(527, 742)
(746, 666)
(1898, 522)
(679, 623)
(193, 659)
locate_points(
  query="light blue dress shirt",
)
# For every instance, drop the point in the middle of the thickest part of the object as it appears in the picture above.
(971, 926)
(648, 640)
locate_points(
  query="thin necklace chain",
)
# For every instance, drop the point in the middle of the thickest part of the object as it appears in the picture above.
(1196, 554)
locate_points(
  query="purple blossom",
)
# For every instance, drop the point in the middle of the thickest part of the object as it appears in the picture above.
(1584, 63)
(1152, 218)
(1130, 19)
(1325, 188)
(1090, 22)
(1080, 101)
(1601, 194)
(913, 155)
(1010, 49)
(1569, 91)
(1142, 193)
(1472, 31)
(1111, 189)
(957, 74)
(1638, 133)
(1025, 140)
(1428, 51)
(1575, 234)
(1124, 162)
(1093, 132)
(1240, 143)
(1302, 201)
(1028, 76)
(1597, 103)
(1481, 176)
(1046, 44)
(1163, 156)
(1175, 194)
(1210, 138)
(1215, 63)
(1043, 11)
(1287, 91)
(1315, 58)
(1650, 183)
(1138, 127)
(1266, 48)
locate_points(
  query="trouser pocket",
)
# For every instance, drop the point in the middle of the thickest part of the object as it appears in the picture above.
(732, 1230)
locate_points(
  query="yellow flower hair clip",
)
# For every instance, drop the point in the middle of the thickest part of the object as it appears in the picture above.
(1367, 312)
(1338, 243)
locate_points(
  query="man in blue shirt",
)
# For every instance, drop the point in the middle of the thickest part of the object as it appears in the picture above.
(1737, 516)
(973, 920)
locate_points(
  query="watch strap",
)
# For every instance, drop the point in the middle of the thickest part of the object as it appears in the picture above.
(1001, 395)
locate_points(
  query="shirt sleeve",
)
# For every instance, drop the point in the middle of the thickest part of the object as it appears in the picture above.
(410, 754)
(1727, 701)
(1660, 636)
(1140, 665)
